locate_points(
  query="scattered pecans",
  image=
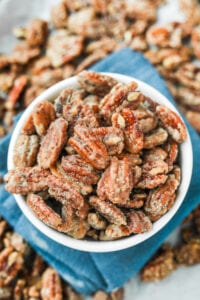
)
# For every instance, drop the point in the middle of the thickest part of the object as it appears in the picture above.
(117, 178)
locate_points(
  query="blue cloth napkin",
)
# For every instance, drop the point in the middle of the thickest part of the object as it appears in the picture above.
(87, 272)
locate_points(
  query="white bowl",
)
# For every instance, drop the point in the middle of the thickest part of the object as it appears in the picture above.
(186, 160)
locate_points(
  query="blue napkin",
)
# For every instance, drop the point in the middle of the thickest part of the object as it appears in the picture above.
(87, 272)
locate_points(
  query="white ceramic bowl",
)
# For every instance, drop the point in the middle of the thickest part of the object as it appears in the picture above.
(186, 160)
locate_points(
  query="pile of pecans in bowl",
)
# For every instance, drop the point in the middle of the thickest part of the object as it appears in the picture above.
(99, 161)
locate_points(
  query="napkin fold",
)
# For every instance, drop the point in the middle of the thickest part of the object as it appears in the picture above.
(85, 271)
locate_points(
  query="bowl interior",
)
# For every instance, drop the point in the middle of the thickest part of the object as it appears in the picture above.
(186, 161)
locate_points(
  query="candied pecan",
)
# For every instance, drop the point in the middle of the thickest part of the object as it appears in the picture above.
(159, 266)
(194, 119)
(23, 53)
(94, 83)
(172, 122)
(144, 10)
(189, 97)
(87, 117)
(172, 148)
(155, 154)
(71, 294)
(11, 263)
(106, 43)
(146, 119)
(52, 143)
(43, 114)
(47, 78)
(36, 32)
(28, 127)
(165, 36)
(100, 295)
(18, 87)
(114, 232)
(188, 75)
(134, 159)
(78, 229)
(188, 254)
(77, 184)
(46, 214)
(155, 138)
(26, 180)
(79, 22)
(117, 295)
(96, 222)
(63, 48)
(91, 59)
(59, 15)
(25, 151)
(108, 210)
(30, 94)
(112, 137)
(69, 103)
(51, 285)
(134, 138)
(162, 198)
(89, 147)
(40, 64)
(136, 201)
(117, 181)
(6, 81)
(138, 222)
(75, 165)
(62, 190)
(114, 99)
(18, 289)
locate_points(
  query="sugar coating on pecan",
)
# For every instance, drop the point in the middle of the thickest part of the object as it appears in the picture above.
(116, 182)
(26, 150)
(96, 83)
(26, 180)
(138, 222)
(89, 147)
(79, 168)
(45, 213)
(173, 123)
(108, 210)
(52, 143)
(43, 115)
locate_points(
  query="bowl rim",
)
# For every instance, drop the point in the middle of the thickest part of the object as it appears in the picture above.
(186, 155)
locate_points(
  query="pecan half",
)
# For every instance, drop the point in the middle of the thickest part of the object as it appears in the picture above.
(95, 83)
(43, 115)
(78, 168)
(51, 285)
(162, 198)
(156, 138)
(62, 190)
(114, 99)
(114, 232)
(46, 214)
(26, 150)
(89, 147)
(138, 222)
(108, 210)
(134, 138)
(52, 143)
(172, 122)
(117, 181)
(26, 180)
(112, 137)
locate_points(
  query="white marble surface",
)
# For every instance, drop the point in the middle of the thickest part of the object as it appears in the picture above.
(183, 283)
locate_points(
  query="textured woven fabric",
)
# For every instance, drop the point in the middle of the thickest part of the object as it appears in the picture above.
(87, 272)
